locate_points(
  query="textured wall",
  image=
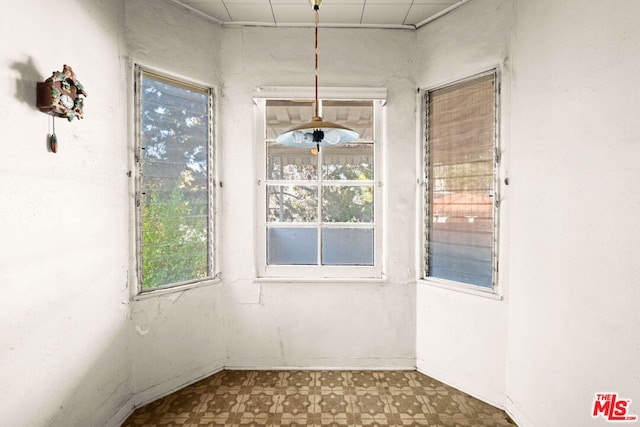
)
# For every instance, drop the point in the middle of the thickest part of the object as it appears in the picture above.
(334, 324)
(568, 236)
(64, 220)
(178, 337)
(575, 240)
(71, 339)
(461, 338)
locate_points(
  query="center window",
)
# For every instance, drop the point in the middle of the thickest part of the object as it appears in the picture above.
(321, 210)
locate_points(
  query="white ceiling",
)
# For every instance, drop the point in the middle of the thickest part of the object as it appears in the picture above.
(342, 13)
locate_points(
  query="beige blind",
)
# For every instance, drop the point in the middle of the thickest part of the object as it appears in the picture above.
(460, 155)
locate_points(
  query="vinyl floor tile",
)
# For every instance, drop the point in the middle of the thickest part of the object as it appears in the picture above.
(319, 399)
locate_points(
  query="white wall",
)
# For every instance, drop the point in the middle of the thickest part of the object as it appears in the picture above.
(71, 340)
(316, 325)
(569, 236)
(176, 338)
(575, 240)
(64, 359)
(274, 324)
(461, 337)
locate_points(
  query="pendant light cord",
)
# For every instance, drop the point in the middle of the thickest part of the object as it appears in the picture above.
(316, 8)
(314, 131)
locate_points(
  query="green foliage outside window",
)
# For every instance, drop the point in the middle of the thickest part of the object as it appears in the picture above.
(174, 123)
(174, 240)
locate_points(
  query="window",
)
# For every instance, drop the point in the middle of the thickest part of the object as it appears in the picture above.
(460, 194)
(175, 186)
(320, 211)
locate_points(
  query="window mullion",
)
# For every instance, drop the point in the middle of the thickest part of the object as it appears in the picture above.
(320, 195)
(339, 194)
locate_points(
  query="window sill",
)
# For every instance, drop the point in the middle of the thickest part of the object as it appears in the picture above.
(319, 280)
(180, 288)
(463, 288)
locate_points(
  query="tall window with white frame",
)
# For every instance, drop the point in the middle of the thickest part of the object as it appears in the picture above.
(460, 198)
(321, 209)
(175, 191)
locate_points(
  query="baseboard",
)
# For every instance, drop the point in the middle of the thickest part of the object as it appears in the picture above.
(315, 368)
(515, 414)
(492, 397)
(161, 390)
(408, 364)
(122, 414)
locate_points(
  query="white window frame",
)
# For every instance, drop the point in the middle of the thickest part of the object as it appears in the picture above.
(495, 291)
(316, 272)
(213, 220)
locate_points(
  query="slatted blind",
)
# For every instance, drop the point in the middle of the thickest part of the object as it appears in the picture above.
(174, 181)
(460, 164)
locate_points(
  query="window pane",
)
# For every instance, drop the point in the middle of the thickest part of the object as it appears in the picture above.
(174, 181)
(461, 247)
(474, 178)
(461, 140)
(347, 246)
(356, 115)
(348, 162)
(292, 246)
(292, 203)
(347, 204)
(281, 115)
(310, 193)
(287, 163)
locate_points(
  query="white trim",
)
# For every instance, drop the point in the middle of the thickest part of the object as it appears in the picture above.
(212, 176)
(154, 393)
(216, 191)
(304, 92)
(312, 273)
(259, 196)
(461, 287)
(453, 379)
(442, 13)
(158, 391)
(321, 364)
(326, 280)
(495, 292)
(176, 288)
(180, 78)
(516, 414)
(197, 12)
(321, 25)
(126, 410)
(486, 71)
(319, 368)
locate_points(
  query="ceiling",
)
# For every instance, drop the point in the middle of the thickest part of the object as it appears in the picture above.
(408, 14)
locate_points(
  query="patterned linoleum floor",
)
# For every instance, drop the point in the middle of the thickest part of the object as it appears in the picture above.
(318, 398)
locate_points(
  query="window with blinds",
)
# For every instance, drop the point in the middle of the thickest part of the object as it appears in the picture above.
(461, 199)
(174, 186)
